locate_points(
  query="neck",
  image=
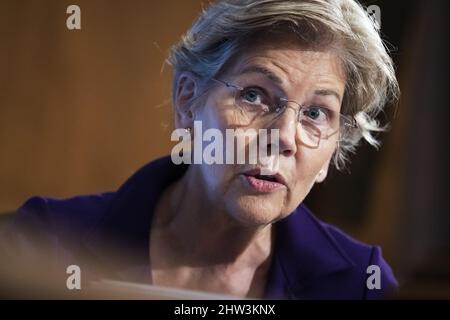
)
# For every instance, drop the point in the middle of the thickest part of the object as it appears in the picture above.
(204, 235)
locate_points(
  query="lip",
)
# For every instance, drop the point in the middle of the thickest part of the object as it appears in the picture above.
(264, 186)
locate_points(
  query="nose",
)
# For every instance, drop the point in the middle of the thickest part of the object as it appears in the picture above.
(286, 123)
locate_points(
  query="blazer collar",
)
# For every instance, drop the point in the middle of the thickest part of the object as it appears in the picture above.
(304, 249)
(307, 251)
(119, 240)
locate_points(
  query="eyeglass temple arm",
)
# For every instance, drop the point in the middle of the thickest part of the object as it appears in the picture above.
(351, 122)
(229, 85)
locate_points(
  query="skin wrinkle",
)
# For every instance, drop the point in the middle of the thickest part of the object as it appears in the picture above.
(323, 82)
(211, 231)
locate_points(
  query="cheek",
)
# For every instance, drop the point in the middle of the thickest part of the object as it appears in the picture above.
(311, 161)
(214, 116)
(308, 164)
(214, 175)
(220, 113)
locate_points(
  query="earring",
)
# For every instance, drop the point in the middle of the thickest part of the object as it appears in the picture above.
(319, 176)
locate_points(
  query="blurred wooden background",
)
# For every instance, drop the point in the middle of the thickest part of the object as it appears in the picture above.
(81, 110)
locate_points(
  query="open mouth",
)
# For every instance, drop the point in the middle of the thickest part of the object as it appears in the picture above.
(263, 183)
(266, 178)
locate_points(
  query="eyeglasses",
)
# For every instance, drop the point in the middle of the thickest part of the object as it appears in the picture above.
(317, 122)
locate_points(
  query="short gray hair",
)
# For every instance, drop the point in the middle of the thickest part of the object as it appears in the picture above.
(220, 31)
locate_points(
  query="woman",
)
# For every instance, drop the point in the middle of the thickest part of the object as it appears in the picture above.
(314, 70)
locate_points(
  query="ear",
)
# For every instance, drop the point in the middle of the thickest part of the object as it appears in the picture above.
(321, 176)
(186, 91)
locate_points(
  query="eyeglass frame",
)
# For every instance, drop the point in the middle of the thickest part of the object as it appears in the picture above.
(349, 122)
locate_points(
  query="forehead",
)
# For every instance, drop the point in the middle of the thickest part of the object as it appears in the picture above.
(290, 64)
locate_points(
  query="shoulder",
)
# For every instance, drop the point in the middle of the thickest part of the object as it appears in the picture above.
(53, 224)
(323, 262)
(58, 214)
(378, 277)
(45, 236)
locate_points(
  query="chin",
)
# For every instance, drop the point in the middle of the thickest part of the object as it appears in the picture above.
(255, 211)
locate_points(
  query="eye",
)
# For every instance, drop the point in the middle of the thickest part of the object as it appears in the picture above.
(316, 114)
(252, 95)
(255, 98)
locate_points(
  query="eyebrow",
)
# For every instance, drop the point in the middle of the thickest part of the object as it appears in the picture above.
(263, 70)
(254, 68)
(327, 92)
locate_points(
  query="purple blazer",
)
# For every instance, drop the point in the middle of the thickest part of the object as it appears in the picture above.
(311, 260)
